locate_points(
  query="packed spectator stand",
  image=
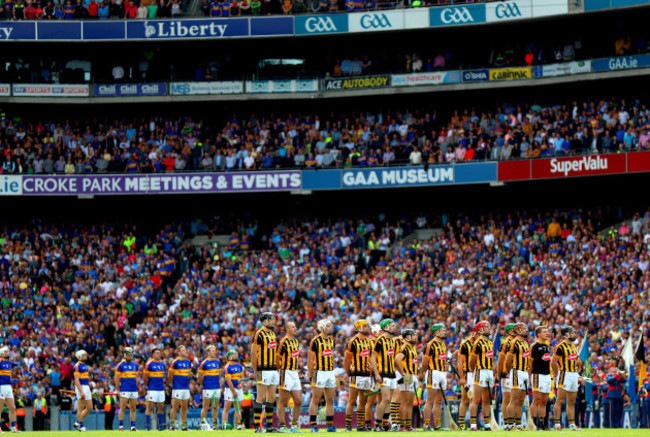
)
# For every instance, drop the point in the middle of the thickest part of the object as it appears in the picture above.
(308, 141)
(105, 287)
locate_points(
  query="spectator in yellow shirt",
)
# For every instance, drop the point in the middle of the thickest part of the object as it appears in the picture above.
(554, 230)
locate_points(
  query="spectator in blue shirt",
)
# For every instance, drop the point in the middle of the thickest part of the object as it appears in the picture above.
(616, 386)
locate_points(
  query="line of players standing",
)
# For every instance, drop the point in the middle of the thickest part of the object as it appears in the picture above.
(381, 367)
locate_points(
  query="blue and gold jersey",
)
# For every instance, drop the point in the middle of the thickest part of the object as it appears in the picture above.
(155, 371)
(128, 372)
(5, 371)
(211, 371)
(181, 371)
(235, 372)
(81, 370)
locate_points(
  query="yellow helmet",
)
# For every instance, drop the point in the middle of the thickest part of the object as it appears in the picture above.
(359, 324)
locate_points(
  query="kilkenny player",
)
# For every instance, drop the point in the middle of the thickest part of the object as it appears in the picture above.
(375, 331)
(263, 359)
(395, 400)
(209, 378)
(233, 372)
(434, 369)
(517, 369)
(154, 380)
(359, 366)
(320, 370)
(502, 374)
(180, 371)
(126, 379)
(6, 392)
(406, 363)
(482, 359)
(82, 389)
(384, 350)
(288, 360)
(466, 374)
(565, 365)
(540, 369)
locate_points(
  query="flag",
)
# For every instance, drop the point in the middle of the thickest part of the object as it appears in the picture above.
(586, 372)
(497, 341)
(639, 354)
(628, 353)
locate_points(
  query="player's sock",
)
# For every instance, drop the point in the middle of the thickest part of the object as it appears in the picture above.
(385, 419)
(486, 419)
(13, 425)
(121, 424)
(361, 417)
(517, 422)
(572, 422)
(407, 423)
(130, 424)
(330, 421)
(394, 412)
(312, 421)
(257, 414)
(161, 420)
(81, 424)
(183, 424)
(269, 409)
(367, 423)
(472, 420)
(348, 420)
(147, 420)
(427, 422)
(436, 422)
(294, 420)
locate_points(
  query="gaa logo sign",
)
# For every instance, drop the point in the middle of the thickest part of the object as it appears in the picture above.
(379, 21)
(508, 10)
(456, 16)
(320, 24)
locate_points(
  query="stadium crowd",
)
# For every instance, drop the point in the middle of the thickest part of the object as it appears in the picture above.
(344, 140)
(103, 288)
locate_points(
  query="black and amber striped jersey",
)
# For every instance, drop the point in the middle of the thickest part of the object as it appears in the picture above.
(386, 348)
(437, 352)
(540, 353)
(484, 351)
(567, 354)
(323, 348)
(410, 360)
(288, 353)
(267, 347)
(521, 354)
(360, 349)
(505, 346)
(464, 353)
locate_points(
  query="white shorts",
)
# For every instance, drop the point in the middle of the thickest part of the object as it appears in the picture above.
(212, 393)
(324, 379)
(518, 380)
(541, 383)
(469, 377)
(227, 394)
(361, 382)
(129, 394)
(435, 379)
(268, 377)
(183, 395)
(506, 385)
(484, 378)
(7, 393)
(409, 387)
(290, 380)
(84, 395)
(389, 382)
(568, 381)
(157, 396)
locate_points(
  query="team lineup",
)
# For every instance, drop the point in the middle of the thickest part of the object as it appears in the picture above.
(383, 369)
